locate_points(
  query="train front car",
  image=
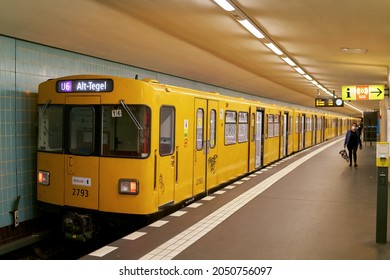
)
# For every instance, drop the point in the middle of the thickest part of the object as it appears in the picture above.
(94, 149)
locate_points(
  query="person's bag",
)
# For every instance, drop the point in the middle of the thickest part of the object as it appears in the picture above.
(344, 154)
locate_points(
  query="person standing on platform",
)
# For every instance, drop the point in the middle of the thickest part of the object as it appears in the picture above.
(360, 127)
(352, 142)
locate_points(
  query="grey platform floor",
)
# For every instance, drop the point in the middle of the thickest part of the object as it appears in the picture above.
(312, 206)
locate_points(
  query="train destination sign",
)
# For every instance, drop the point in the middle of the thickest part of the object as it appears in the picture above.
(363, 92)
(85, 86)
(329, 102)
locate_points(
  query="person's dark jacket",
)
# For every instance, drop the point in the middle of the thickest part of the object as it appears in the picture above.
(349, 135)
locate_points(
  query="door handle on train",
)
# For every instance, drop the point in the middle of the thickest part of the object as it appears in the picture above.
(173, 161)
(70, 165)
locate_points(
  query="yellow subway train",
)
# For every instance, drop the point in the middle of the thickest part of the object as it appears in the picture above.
(124, 146)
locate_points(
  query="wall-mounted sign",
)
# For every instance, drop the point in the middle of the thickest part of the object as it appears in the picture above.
(85, 86)
(329, 102)
(363, 92)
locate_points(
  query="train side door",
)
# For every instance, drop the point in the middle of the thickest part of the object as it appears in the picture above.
(314, 130)
(167, 161)
(81, 162)
(212, 148)
(200, 149)
(259, 138)
(252, 142)
(302, 131)
(285, 134)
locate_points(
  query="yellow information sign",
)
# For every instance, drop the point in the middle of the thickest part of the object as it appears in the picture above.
(363, 92)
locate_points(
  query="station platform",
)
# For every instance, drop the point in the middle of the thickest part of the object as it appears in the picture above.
(309, 206)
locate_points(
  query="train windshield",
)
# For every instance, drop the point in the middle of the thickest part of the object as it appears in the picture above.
(50, 128)
(126, 131)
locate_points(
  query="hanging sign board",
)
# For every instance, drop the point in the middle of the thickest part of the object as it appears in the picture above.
(363, 92)
(329, 102)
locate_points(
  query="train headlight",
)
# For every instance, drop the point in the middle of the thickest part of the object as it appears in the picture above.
(128, 186)
(43, 177)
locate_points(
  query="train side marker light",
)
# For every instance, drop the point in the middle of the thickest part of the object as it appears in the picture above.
(128, 186)
(43, 177)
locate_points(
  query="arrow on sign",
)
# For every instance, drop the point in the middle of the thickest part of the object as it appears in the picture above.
(378, 92)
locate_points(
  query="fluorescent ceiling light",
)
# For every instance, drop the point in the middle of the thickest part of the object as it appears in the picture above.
(289, 61)
(225, 5)
(299, 70)
(274, 48)
(354, 50)
(251, 28)
(314, 82)
(308, 77)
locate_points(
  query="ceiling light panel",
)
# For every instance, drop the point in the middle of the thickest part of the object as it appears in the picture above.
(274, 48)
(224, 5)
(251, 28)
(289, 61)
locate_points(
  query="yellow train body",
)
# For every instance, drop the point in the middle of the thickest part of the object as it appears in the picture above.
(127, 146)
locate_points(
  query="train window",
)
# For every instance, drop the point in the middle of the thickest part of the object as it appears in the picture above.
(213, 127)
(276, 125)
(230, 127)
(81, 130)
(270, 126)
(252, 131)
(308, 124)
(167, 130)
(50, 128)
(126, 134)
(242, 127)
(199, 129)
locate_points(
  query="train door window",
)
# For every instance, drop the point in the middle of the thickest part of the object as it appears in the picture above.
(213, 128)
(253, 118)
(81, 130)
(270, 126)
(230, 127)
(242, 127)
(276, 125)
(167, 130)
(199, 129)
(126, 133)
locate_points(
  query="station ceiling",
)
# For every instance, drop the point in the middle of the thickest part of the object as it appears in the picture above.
(343, 42)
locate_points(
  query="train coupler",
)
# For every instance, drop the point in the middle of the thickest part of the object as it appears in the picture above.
(78, 226)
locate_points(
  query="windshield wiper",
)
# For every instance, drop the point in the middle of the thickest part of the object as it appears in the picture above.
(131, 115)
(43, 111)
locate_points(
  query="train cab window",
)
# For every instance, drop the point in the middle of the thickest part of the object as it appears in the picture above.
(242, 127)
(230, 127)
(213, 128)
(50, 128)
(81, 130)
(199, 129)
(125, 131)
(167, 130)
